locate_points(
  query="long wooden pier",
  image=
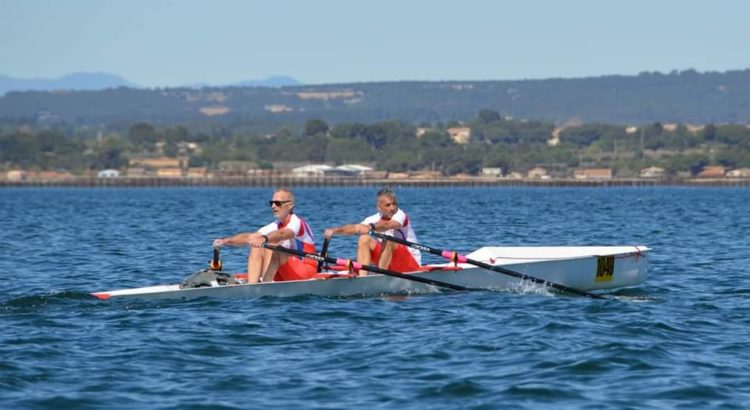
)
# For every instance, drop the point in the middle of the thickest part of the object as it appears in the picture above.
(277, 181)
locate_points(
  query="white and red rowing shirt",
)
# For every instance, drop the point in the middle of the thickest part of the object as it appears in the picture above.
(303, 238)
(405, 232)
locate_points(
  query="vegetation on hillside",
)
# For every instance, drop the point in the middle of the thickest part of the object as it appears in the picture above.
(496, 141)
(687, 97)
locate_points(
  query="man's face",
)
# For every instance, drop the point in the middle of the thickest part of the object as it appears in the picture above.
(387, 206)
(281, 205)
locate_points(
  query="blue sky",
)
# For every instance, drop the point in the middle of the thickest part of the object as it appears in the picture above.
(176, 42)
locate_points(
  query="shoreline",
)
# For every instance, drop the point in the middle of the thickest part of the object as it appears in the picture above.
(274, 181)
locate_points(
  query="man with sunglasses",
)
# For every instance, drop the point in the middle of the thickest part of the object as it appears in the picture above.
(289, 231)
(392, 221)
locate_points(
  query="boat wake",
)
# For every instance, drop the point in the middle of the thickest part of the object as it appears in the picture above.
(530, 288)
(32, 303)
(636, 295)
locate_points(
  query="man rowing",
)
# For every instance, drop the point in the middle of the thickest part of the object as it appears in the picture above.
(391, 220)
(289, 231)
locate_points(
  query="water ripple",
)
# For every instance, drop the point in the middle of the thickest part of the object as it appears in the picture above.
(678, 341)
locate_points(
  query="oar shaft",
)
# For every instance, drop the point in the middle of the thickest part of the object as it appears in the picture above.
(461, 258)
(357, 265)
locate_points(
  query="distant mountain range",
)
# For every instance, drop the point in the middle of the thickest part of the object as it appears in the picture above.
(103, 81)
(75, 81)
(273, 81)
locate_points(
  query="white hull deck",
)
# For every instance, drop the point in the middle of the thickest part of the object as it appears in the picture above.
(582, 268)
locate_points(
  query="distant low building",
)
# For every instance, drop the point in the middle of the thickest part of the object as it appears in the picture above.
(537, 173)
(15, 175)
(460, 135)
(739, 173)
(421, 131)
(492, 172)
(50, 175)
(350, 169)
(311, 171)
(197, 172)
(714, 171)
(169, 172)
(426, 175)
(323, 170)
(237, 166)
(652, 172)
(156, 162)
(376, 175)
(108, 173)
(136, 172)
(341, 173)
(289, 166)
(259, 172)
(554, 139)
(193, 147)
(592, 173)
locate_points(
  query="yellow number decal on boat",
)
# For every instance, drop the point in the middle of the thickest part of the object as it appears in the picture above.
(605, 268)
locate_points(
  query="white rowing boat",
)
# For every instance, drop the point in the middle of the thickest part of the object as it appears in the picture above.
(586, 268)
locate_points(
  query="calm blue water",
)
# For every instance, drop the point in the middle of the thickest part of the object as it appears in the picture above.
(681, 340)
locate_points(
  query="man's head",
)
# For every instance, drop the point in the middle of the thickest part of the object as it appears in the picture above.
(282, 203)
(387, 203)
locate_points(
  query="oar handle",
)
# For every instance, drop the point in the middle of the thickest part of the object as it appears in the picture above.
(215, 263)
(455, 257)
(324, 252)
(348, 263)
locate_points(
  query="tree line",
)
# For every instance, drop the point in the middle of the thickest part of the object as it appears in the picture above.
(496, 141)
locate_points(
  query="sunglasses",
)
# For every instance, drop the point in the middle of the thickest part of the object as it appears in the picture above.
(277, 203)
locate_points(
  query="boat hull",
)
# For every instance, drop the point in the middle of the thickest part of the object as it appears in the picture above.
(583, 268)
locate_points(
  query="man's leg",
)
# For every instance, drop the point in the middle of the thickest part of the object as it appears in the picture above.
(263, 261)
(276, 259)
(386, 254)
(365, 246)
(255, 264)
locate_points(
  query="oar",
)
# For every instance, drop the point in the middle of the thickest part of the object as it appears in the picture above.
(348, 263)
(324, 252)
(455, 257)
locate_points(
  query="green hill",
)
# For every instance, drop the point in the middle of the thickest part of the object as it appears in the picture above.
(678, 97)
